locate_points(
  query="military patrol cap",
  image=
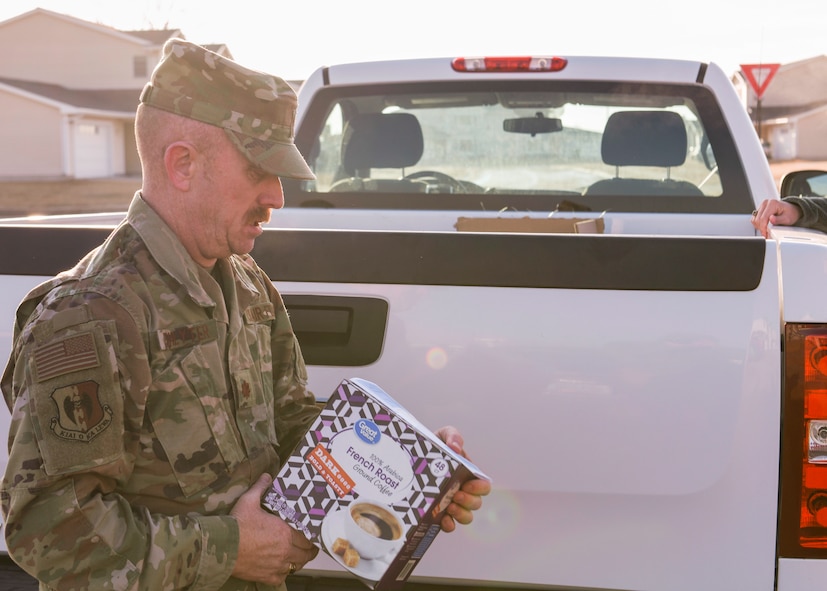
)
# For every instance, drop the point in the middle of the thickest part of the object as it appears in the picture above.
(257, 110)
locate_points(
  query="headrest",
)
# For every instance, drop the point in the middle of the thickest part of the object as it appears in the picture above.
(644, 138)
(381, 140)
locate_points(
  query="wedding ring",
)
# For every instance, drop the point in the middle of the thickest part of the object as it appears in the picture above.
(754, 212)
(291, 568)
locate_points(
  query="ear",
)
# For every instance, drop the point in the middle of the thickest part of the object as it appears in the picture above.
(179, 161)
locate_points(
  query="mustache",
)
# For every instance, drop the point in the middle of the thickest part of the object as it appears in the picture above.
(259, 215)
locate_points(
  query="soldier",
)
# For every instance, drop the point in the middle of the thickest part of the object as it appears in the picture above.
(154, 386)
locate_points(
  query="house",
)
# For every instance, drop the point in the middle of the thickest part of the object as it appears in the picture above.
(791, 116)
(68, 96)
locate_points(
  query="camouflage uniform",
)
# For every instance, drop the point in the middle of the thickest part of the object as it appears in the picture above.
(146, 397)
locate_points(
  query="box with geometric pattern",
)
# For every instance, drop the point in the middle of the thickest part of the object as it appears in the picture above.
(369, 484)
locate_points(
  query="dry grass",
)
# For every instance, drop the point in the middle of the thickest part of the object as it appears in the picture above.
(101, 195)
(66, 196)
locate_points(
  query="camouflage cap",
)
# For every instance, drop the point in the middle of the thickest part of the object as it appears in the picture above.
(257, 110)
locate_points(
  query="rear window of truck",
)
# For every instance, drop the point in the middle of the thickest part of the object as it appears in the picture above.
(525, 145)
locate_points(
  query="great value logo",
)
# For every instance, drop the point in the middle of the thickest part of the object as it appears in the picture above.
(367, 431)
(379, 465)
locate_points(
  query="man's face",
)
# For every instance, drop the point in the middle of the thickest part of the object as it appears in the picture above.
(234, 199)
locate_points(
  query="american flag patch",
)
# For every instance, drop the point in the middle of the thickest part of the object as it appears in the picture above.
(72, 354)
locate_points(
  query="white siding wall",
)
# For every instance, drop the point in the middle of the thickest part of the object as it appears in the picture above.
(32, 142)
(74, 55)
(812, 136)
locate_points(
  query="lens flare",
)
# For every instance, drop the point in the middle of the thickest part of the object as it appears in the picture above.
(499, 519)
(436, 358)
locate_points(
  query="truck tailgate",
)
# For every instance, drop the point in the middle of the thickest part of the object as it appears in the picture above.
(623, 392)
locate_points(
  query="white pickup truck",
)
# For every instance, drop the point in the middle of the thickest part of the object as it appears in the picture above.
(555, 254)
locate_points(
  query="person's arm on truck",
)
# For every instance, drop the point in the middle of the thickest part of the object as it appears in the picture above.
(804, 212)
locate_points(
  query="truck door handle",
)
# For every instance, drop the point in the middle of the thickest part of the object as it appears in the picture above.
(338, 330)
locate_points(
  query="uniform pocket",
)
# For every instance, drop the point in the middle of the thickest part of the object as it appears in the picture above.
(255, 409)
(253, 380)
(189, 414)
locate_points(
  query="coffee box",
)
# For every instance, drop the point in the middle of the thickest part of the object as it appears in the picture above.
(369, 484)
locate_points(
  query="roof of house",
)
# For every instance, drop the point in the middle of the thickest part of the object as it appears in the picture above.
(114, 100)
(100, 100)
(161, 36)
(84, 23)
(156, 37)
(787, 110)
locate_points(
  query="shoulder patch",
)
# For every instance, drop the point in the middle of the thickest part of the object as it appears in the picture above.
(80, 414)
(71, 354)
(75, 401)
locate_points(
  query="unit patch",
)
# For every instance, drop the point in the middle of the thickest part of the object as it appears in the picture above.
(80, 414)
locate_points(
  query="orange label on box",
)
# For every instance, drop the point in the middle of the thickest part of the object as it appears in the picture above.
(330, 470)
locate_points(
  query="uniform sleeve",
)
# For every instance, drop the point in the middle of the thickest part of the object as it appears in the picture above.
(78, 380)
(813, 212)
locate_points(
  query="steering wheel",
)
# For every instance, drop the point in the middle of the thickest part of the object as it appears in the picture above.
(439, 178)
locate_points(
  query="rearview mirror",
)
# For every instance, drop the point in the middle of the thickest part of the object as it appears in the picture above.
(804, 183)
(533, 125)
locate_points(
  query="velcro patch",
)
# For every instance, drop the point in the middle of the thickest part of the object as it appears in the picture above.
(77, 415)
(80, 414)
(74, 353)
(259, 313)
(187, 336)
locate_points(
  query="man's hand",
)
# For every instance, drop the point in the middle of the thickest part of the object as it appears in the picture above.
(469, 497)
(775, 212)
(268, 548)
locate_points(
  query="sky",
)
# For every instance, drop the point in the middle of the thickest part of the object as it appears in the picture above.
(291, 39)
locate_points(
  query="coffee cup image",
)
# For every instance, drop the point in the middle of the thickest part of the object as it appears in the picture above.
(372, 529)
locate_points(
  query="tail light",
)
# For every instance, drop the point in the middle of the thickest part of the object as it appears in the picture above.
(509, 64)
(803, 517)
